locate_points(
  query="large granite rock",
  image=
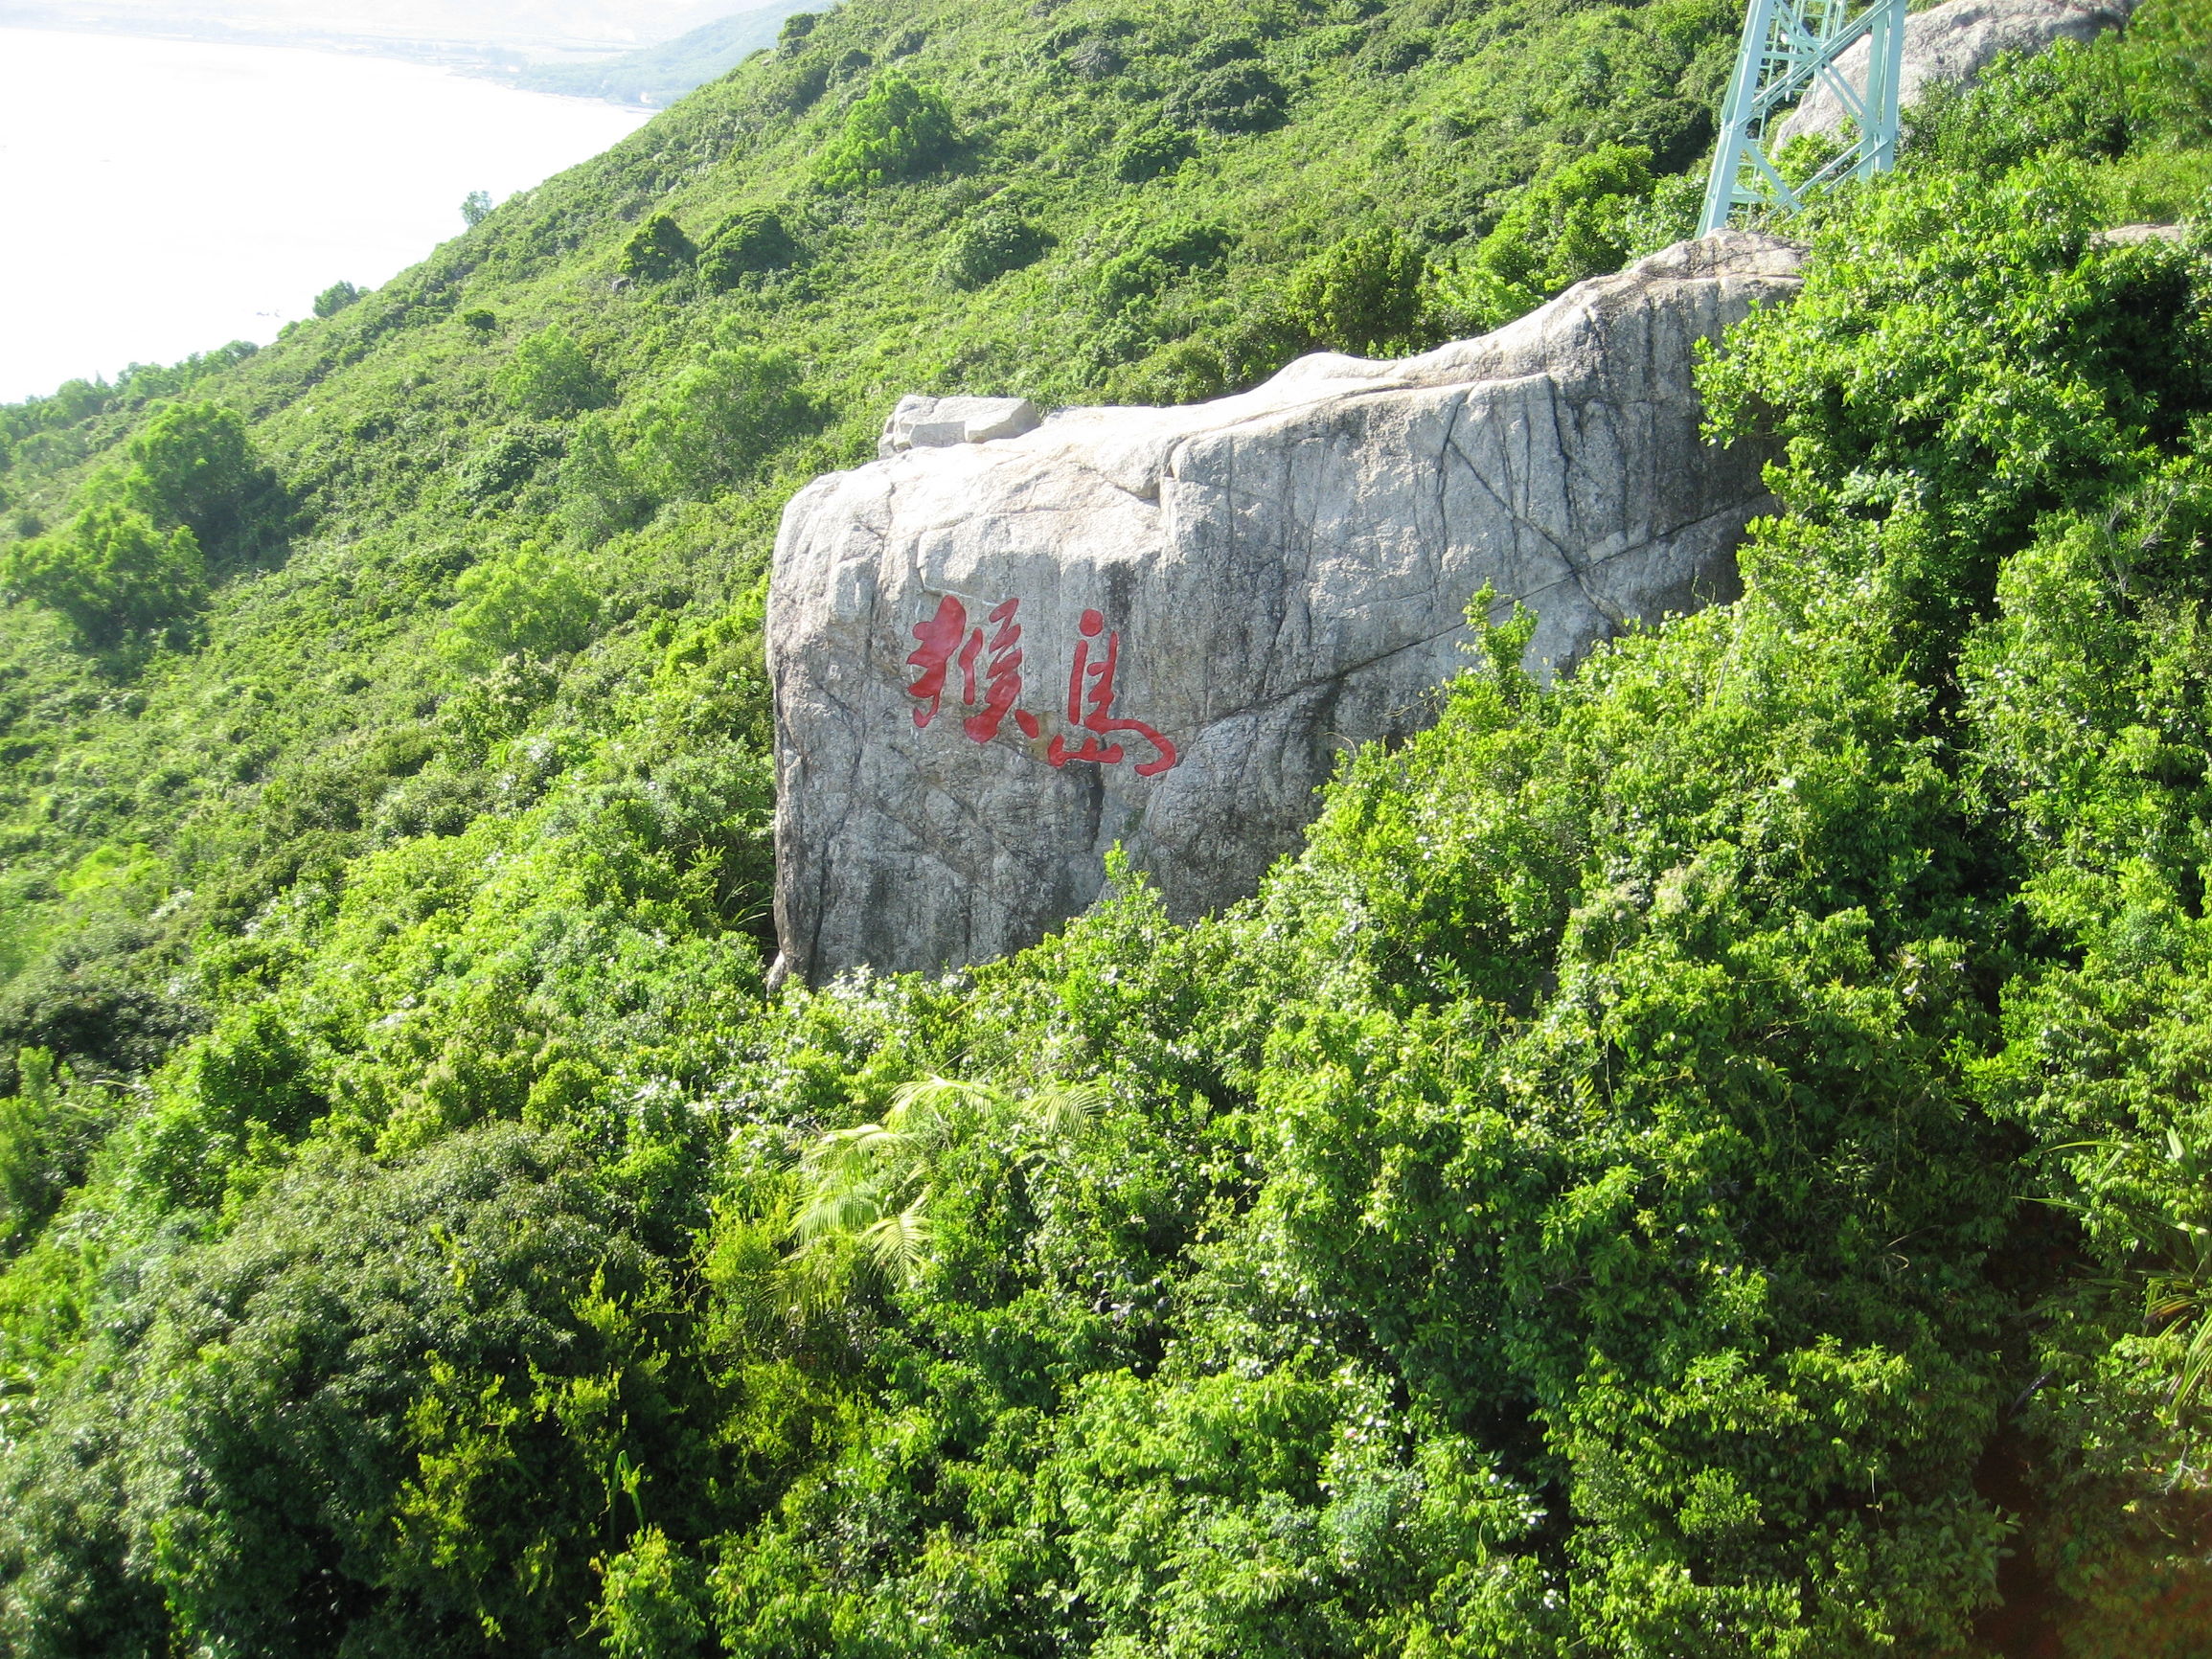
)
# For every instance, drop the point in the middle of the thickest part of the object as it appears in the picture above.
(993, 660)
(1956, 41)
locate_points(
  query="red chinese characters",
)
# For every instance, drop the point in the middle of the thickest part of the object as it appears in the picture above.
(1001, 676)
(990, 661)
(1092, 708)
(940, 636)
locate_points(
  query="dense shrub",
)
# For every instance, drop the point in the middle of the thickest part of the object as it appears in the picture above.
(549, 376)
(718, 420)
(111, 574)
(1367, 294)
(601, 490)
(657, 250)
(746, 243)
(1159, 254)
(510, 457)
(1150, 151)
(335, 298)
(195, 465)
(529, 602)
(901, 129)
(988, 244)
(1577, 222)
(1234, 97)
(49, 1131)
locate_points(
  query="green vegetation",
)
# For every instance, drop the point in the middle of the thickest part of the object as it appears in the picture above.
(986, 245)
(751, 242)
(335, 298)
(659, 250)
(901, 129)
(549, 376)
(1706, 1158)
(1581, 221)
(1368, 293)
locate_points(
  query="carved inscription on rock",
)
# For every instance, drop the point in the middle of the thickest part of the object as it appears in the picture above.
(988, 658)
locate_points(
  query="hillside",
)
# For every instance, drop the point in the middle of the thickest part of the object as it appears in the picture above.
(405, 463)
(1705, 1158)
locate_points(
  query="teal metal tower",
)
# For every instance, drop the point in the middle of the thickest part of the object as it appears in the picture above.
(1790, 46)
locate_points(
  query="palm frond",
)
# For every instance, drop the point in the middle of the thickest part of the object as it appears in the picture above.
(836, 1209)
(933, 1109)
(868, 1185)
(1063, 1114)
(895, 1242)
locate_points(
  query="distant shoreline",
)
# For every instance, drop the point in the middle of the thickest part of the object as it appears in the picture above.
(620, 73)
(488, 59)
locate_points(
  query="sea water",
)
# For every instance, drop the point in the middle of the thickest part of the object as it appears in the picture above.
(161, 197)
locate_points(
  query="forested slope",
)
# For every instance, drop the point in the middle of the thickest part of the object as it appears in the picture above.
(1708, 1158)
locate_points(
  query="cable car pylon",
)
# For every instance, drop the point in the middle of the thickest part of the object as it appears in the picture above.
(1790, 46)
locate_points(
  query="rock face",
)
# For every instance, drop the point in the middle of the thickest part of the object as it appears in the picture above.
(2136, 235)
(1956, 41)
(993, 660)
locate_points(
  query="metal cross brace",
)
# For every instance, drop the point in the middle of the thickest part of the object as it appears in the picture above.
(1789, 46)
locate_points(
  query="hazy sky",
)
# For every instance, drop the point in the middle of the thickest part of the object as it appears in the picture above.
(220, 188)
(574, 22)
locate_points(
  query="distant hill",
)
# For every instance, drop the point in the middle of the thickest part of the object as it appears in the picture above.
(660, 74)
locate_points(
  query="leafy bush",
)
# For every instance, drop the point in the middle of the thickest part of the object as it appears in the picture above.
(111, 575)
(524, 602)
(1366, 294)
(1234, 97)
(1157, 256)
(1577, 222)
(602, 492)
(2067, 101)
(754, 240)
(651, 1601)
(719, 421)
(198, 469)
(1150, 151)
(657, 250)
(49, 1131)
(506, 461)
(1215, 51)
(392, 1505)
(899, 130)
(548, 376)
(336, 298)
(986, 245)
(82, 1001)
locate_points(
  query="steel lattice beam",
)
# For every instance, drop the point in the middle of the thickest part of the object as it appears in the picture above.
(1789, 47)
